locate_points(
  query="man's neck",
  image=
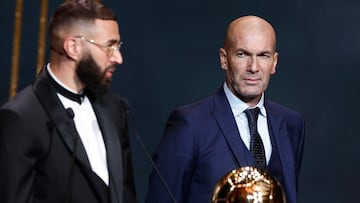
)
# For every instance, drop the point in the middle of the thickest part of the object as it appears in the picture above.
(66, 77)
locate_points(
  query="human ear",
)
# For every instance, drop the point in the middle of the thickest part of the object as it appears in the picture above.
(223, 59)
(72, 48)
(273, 69)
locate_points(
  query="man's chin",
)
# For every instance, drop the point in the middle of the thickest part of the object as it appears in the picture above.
(99, 90)
(251, 91)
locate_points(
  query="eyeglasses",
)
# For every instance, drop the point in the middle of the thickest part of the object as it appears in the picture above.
(109, 50)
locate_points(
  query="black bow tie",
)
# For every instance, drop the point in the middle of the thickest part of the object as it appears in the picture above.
(79, 98)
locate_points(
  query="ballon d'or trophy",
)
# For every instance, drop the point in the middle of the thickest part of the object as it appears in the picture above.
(248, 185)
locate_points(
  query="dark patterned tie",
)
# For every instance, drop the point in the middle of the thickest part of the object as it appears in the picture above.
(256, 145)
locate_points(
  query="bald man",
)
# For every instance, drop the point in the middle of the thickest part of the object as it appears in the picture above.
(205, 140)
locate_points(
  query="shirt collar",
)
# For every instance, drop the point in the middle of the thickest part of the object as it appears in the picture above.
(58, 81)
(64, 90)
(238, 106)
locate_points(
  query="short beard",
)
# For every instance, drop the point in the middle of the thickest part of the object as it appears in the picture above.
(89, 73)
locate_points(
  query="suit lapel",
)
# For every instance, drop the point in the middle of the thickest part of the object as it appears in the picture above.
(113, 149)
(226, 121)
(64, 124)
(281, 137)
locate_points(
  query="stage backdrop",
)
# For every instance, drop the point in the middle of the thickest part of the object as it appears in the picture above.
(171, 58)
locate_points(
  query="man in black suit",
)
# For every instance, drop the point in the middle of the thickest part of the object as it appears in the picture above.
(65, 138)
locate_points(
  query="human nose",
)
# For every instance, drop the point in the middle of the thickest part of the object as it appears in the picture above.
(117, 57)
(253, 65)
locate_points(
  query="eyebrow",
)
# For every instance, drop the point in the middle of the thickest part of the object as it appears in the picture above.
(249, 53)
(113, 41)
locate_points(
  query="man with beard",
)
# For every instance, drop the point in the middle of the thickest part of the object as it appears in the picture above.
(65, 138)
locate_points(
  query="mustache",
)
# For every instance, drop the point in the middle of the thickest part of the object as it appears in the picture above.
(111, 68)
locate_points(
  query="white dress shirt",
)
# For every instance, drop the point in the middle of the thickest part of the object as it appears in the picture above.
(238, 108)
(89, 131)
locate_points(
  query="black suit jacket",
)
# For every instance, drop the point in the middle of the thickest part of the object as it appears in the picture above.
(42, 158)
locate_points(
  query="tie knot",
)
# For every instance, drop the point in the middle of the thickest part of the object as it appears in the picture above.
(252, 116)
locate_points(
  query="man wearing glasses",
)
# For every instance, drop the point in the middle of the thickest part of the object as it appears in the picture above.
(64, 138)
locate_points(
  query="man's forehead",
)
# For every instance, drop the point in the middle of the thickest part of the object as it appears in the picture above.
(105, 28)
(106, 25)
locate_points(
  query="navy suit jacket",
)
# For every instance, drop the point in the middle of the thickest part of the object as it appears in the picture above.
(201, 143)
(42, 159)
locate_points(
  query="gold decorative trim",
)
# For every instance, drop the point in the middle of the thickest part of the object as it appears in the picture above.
(14, 77)
(42, 35)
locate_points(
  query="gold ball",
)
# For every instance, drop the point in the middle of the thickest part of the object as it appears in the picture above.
(248, 185)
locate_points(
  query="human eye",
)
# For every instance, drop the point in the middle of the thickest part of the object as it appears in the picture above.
(115, 46)
(265, 55)
(112, 48)
(240, 54)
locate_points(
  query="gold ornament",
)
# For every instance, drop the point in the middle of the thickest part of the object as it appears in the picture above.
(248, 185)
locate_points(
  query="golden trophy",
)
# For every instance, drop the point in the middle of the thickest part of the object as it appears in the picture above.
(248, 185)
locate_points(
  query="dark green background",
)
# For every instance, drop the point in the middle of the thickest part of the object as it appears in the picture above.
(171, 58)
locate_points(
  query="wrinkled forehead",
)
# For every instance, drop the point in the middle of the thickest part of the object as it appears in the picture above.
(263, 36)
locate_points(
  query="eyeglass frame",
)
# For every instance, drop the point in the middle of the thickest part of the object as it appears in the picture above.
(109, 49)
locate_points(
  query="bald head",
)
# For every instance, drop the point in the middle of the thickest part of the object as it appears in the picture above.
(249, 57)
(246, 26)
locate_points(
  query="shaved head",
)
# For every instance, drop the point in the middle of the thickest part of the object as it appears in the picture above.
(249, 57)
(248, 25)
